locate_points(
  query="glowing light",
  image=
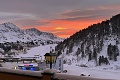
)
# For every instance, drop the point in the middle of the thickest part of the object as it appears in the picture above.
(60, 28)
(28, 65)
(32, 69)
(15, 67)
(23, 68)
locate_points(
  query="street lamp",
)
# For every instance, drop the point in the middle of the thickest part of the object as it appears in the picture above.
(50, 58)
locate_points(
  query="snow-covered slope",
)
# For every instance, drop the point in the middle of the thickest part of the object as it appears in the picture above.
(42, 35)
(40, 50)
(86, 47)
(11, 33)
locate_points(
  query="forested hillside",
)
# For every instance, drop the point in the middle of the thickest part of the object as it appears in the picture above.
(97, 42)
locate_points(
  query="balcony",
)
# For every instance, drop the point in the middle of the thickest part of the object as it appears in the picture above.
(47, 74)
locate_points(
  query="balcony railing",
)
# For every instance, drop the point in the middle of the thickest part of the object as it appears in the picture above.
(47, 74)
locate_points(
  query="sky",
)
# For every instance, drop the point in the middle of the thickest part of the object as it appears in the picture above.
(60, 17)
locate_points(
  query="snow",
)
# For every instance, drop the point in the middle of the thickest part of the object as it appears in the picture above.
(103, 72)
(11, 33)
(40, 50)
(95, 73)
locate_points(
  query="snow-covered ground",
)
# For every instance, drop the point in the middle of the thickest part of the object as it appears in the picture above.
(93, 72)
(40, 50)
(104, 71)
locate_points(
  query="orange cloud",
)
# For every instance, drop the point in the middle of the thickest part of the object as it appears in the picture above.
(67, 28)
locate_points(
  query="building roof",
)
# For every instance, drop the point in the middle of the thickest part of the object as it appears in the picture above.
(50, 54)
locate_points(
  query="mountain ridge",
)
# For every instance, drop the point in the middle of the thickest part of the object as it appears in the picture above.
(12, 33)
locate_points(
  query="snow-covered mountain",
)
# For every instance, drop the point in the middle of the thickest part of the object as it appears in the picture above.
(42, 35)
(97, 45)
(11, 33)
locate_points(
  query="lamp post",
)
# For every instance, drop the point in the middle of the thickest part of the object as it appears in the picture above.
(50, 58)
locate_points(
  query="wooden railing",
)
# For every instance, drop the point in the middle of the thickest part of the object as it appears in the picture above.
(47, 74)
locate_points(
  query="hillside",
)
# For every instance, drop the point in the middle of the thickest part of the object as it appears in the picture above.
(11, 33)
(97, 45)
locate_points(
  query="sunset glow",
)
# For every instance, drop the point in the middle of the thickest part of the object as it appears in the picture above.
(60, 17)
(68, 27)
(60, 28)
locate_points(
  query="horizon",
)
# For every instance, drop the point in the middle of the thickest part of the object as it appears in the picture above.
(62, 18)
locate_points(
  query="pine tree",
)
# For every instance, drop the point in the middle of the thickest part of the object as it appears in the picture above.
(95, 56)
(71, 47)
(82, 55)
(78, 51)
(89, 57)
(67, 52)
(100, 60)
(59, 53)
(108, 49)
(115, 55)
(117, 51)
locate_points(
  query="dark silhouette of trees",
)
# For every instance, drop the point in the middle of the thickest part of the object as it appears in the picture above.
(89, 56)
(100, 60)
(113, 52)
(6, 48)
(59, 52)
(78, 51)
(103, 60)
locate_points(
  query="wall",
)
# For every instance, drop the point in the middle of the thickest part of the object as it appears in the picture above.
(10, 76)
(47, 74)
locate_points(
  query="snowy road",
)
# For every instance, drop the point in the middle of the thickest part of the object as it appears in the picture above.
(96, 73)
